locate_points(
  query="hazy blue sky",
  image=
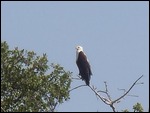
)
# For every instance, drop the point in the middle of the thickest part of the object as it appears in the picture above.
(114, 35)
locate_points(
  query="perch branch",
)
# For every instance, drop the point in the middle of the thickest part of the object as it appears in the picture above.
(105, 100)
(77, 87)
(109, 101)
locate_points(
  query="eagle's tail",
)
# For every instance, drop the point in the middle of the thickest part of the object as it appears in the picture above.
(87, 82)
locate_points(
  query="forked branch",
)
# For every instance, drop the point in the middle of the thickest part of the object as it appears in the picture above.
(107, 100)
(127, 90)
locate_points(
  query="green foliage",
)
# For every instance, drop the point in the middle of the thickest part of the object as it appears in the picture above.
(126, 110)
(137, 108)
(25, 86)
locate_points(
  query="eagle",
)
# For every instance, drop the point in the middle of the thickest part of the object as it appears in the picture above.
(83, 65)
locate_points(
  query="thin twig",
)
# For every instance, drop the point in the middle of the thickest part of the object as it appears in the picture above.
(107, 91)
(77, 87)
(76, 78)
(109, 101)
(127, 91)
(133, 95)
(106, 101)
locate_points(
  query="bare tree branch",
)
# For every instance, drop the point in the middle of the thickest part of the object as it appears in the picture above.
(130, 94)
(133, 95)
(107, 91)
(127, 91)
(108, 100)
(77, 87)
(76, 78)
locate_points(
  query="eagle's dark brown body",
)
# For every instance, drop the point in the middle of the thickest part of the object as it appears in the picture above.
(84, 67)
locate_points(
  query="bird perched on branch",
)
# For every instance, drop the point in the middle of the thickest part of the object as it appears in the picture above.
(83, 65)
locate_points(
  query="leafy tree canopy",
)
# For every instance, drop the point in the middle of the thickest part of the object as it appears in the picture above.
(25, 86)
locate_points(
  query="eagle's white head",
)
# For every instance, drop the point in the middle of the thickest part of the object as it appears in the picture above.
(78, 50)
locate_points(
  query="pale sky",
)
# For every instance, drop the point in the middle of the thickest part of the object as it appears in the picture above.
(114, 36)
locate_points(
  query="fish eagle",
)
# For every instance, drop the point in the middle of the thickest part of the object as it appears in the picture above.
(83, 65)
